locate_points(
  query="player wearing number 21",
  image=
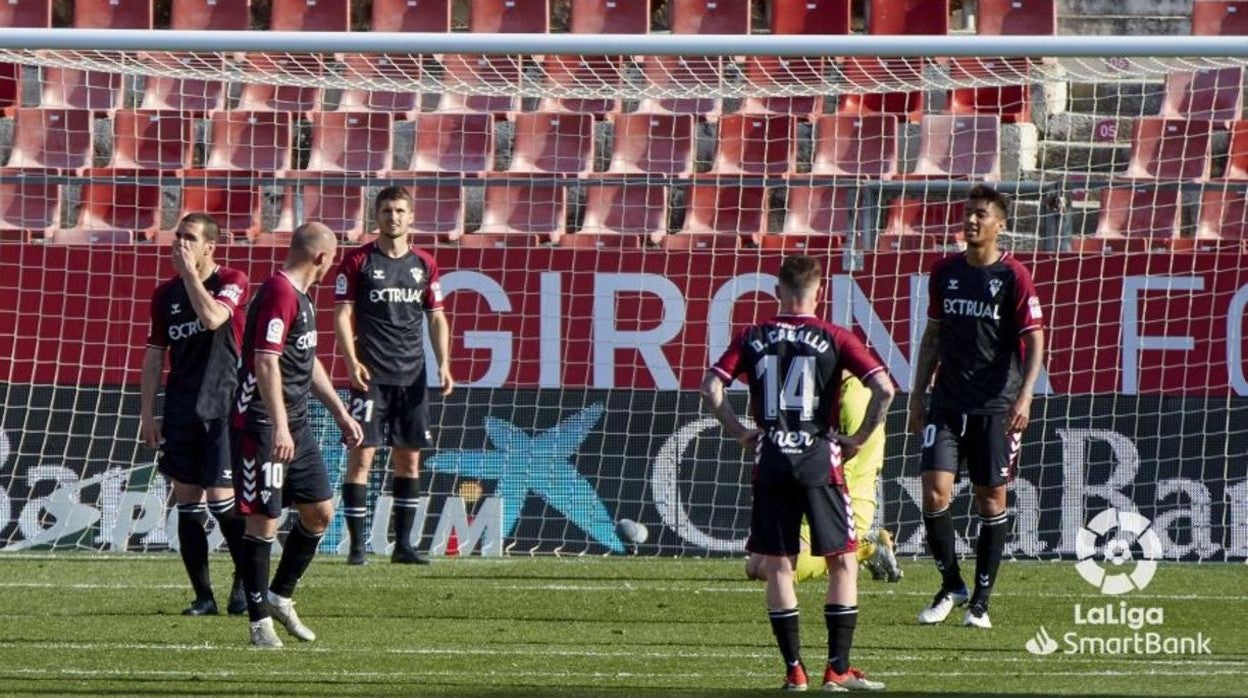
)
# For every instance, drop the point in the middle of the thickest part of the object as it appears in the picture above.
(793, 365)
(277, 460)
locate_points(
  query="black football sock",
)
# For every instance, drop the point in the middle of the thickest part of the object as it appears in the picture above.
(355, 512)
(404, 510)
(255, 572)
(785, 626)
(193, 545)
(993, 530)
(841, 622)
(232, 527)
(941, 542)
(296, 556)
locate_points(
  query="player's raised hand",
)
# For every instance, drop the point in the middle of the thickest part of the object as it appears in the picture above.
(448, 382)
(352, 432)
(1020, 414)
(182, 257)
(283, 445)
(916, 413)
(149, 432)
(359, 376)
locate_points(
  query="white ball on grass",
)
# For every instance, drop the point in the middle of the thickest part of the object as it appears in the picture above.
(632, 532)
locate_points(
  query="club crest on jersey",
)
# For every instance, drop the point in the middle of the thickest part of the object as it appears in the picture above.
(174, 308)
(378, 275)
(994, 286)
(418, 274)
(953, 285)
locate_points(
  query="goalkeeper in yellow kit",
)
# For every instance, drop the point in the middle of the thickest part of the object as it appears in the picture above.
(875, 547)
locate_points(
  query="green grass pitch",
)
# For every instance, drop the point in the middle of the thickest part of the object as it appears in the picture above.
(109, 625)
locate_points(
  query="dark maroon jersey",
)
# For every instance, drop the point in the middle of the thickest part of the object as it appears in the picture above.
(203, 364)
(390, 297)
(983, 313)
(793, 366)
(280, 321)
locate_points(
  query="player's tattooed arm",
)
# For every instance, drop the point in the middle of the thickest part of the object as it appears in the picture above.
(924, 369)
(873, 416)
(713, 398)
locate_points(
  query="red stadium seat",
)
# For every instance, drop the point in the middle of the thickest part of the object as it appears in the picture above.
(700, 241)
(582, 72)
(607, 241)
(1216, 94)
(250, 141)
(1010, 102)
(453, 143)
(811, 17)
(362, 67)
(817, 210)
(338, 206)
(432, 16)
(1138, 212)
(922, 223)
(51, 138)
(908, 16)
(10, 85)
(1171, 149)
(69, 88)
(29, 203)
(811, 244)
(1237, 158)
(219, 15)
(959, 146)
(1220, 18)
(856, 146)
(91, 236)
(515, 206)
(678, 74)
(1223, 215)
(226, 195)
(351, 142)
(1010, 17)
(112, 14)
(770, 72)
(553, 143)
(121, 199)
(661, 144)
(878, 74)
(721, 206)
(25, 13)
(470, 72)
(310, 15)
(439, 208)
(509, 17)
(154, 140)
(634, 207)
(610, 17)
(756, 144)
(187, 94)
(709, 16)
(257, 96)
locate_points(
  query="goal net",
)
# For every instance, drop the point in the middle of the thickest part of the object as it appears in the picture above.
(603, 224)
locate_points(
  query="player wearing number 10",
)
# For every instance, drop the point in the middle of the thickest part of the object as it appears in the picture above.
(793, 364)
(277, 459)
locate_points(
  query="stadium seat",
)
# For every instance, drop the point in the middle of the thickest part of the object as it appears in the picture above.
(661, 144)
(250, 141)
(811, 17)
(1237, 155)
(608, 241)
(515, 206)
(878, 73)
(600, 73)
(438, 208)
(1223, 215)
(1215, 94)
(709, 16)
(716, 205)
(959, 146)
(154, 140)
(770, 72)
(918, 223)
(553, 143)
(677, 74)
(432, 16)
(1176, 149)
(362, 67)
(1010, 17)
(70, 88)
(26, 14)
(112, 14)
(461, 143)
(187, 94)
(219, 15)
(908, 16)
(811, 244)
(29, 204)
(610, 17)
(1012, 103)
(121, 199)
(338, 206)
(817, 209)
(228, 196)
(92, 236)
(257, 96)
(51, 138)
(635, 207)
(472, 72)
(855, 146)
(762, 144)
(509, 17)
(684, 242)
(351, 142)
(10, 85)
(310, 15)
(1220, 18)
(1138, 212)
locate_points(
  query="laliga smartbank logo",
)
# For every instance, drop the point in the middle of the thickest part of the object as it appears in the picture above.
(1118, 553)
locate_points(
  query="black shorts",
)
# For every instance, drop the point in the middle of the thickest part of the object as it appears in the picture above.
(393, 415)
(197, 453)
(976, 443)
(262, 486)
(776, 518)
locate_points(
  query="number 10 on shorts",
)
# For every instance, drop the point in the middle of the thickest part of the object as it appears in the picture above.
(274, 474)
